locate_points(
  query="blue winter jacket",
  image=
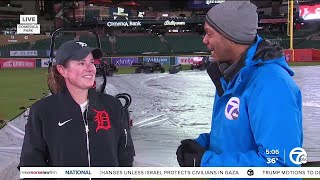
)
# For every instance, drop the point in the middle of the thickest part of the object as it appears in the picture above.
(257, 118)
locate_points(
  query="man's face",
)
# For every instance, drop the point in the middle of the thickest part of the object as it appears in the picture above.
(217, 44)
(80, 74)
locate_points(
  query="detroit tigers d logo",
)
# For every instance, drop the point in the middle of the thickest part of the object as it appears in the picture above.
(232, 108)
(102, 119)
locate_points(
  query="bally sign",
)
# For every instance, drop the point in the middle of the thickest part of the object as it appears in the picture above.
(124, 61)
(173, 23)
(23, 53)
(17, 63)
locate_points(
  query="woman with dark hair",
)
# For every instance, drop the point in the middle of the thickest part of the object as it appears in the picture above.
(76, 126)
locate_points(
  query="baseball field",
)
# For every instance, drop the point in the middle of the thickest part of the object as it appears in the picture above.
(22, 87)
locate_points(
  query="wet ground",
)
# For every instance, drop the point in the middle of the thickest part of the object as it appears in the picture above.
(170, 107)
(167, 108)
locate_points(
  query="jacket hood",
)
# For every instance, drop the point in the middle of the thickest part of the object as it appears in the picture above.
(263, 52)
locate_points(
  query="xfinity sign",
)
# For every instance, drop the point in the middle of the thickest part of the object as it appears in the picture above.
(122, 24)
(28, 25)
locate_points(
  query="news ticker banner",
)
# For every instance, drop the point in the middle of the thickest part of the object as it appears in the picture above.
(170, 172)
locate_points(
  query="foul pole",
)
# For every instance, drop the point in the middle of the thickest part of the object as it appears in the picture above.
(290, 25)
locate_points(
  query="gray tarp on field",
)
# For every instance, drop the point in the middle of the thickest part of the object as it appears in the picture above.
(168, 108)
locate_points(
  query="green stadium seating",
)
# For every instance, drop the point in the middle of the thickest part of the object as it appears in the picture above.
(92, 42)
(184, 44)
(300, 39)
(42, 44)
(139, 44)
(15, 46)
(62, 39)
(45, 43)
(165, 45)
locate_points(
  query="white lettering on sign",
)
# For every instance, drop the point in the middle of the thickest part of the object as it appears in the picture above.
(187, 61)
(23, 53)
(18, 64)
(118, 24)
(28, 19)
(173, 23)
(156, 59)
(124, 61)
(28, 25)
(28, 28)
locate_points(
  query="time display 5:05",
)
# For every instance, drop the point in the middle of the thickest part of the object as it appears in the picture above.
(272, 151)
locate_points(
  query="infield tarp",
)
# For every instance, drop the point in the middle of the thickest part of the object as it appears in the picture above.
(167, 108)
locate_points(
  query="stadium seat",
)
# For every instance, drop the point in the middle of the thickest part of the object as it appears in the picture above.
(41, 44)
(15, 46)
(45, 43)
(140, 44)
(92, 42)
(184, 44)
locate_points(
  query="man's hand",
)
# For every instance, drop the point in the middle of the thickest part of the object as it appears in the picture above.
(189, 153)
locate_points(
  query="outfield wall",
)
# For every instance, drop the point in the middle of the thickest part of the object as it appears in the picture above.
(300, 55)
(118, 61)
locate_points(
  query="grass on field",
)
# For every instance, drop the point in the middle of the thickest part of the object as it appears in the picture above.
(20, 88)
(304, 63)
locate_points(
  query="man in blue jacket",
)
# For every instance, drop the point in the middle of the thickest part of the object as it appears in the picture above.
(257, 116)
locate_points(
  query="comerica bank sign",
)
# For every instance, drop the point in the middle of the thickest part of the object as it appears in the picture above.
(123, 24)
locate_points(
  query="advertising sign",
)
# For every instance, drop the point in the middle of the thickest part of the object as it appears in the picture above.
(124, 61)
(123, 23)
(45, 62)
(23, 53)
(308, 12)
(18, 63)
(174, 23)
(119, 12)
(158, 59)
(188, 60)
